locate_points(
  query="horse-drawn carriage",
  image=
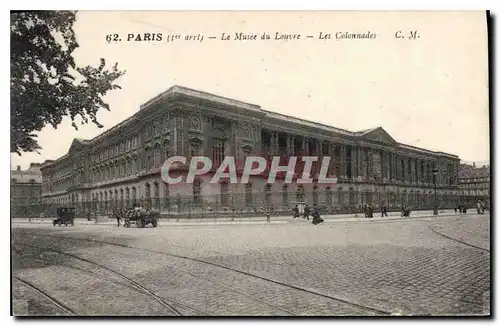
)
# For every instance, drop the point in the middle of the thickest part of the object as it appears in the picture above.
(139, 216)
(65, 215)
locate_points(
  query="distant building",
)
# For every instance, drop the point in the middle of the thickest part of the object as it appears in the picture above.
(25, 190)
(474, 181)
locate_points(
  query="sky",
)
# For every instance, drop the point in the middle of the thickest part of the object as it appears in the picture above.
(430, 92)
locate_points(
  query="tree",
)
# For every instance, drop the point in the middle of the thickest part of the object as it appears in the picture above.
(46, 84)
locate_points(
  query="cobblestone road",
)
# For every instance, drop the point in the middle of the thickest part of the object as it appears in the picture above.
(436, 266)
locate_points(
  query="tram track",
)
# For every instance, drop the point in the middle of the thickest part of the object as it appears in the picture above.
(362, 307)
(136, 286)
(433, 229)
(43, 293)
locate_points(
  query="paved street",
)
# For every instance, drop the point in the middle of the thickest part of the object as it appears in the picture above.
(351, 266)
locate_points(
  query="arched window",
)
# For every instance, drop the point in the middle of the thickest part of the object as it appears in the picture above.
(134, 194)
(157, 156)
(197, 191)
(315, 195)
(248, 194)
(218, 147)
(329, 200)
(369, 197)
(352, 199)
(284, 195)
(166, 150)
(267, 194)
(147, 191)
(156, 190)
(224, 197)
(166, 194)
(300, 193)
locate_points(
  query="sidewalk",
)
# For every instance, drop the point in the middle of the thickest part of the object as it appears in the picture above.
(259, 219)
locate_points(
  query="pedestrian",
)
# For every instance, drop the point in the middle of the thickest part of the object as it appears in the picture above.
(315, 215)
(295, 211)
(117, 214)
(268, 215)
(384, 210)
(306, 211)
(370, 211)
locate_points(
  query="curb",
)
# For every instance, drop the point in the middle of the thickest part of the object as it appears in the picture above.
(264, 222)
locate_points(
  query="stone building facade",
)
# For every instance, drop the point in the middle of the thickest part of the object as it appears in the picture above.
(474, 181)
(123, 164)
(25, 191)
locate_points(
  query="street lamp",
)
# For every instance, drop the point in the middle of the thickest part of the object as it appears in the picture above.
(434, 174)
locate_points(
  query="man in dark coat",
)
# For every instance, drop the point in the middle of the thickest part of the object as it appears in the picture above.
(306, 211)
(384, 210)
(370, 211)
(117, 214)
(295, 211)
(315, 215)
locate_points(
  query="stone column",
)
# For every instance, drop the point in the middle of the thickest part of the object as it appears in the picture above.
(387, 163)
(304, 146)
(319, 147)
(412, 170)
(343, 161)
(354, 162)
(274, 143)
(369, 165)
(289, 145)
(362, 163)
(397, 169)
(331, 153)
(382, 164)
(394, 170)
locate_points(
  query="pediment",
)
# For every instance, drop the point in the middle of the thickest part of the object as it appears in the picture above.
(378, 135)
(76, 146)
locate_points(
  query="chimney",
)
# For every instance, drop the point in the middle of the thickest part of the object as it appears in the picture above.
(473, 164)
(18, 168)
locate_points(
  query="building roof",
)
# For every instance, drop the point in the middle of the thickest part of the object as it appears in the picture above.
(468, 171)
(33, 173)
(180, 90)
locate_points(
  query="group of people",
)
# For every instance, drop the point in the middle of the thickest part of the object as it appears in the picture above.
(316, 218)
(120, 213)
(481, 207)
(461, 209)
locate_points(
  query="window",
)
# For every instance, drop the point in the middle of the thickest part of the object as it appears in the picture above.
(224, 196)
(315, 195)
(197, 191)
(157, 190)
(218, 147)
(166, 194)
(268, 194)
(248, 194)
(329, 196)
(157, 156)
(285, 195)
(300, 193)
